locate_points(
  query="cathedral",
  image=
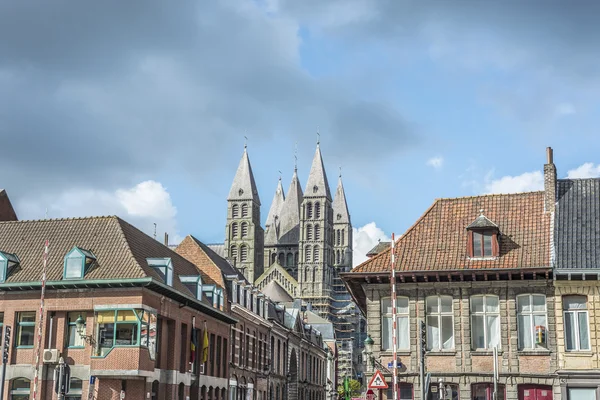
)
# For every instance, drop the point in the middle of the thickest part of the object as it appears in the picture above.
(305, 244)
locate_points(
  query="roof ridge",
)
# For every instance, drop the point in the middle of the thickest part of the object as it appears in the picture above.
(197, 244)
(120, 223)
(491, 195)
(61, 219)
(580, 179)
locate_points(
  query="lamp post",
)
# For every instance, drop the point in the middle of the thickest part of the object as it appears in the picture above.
(368, 352)
(80, 326)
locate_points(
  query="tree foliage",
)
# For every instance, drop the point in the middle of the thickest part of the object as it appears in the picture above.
(354, 389)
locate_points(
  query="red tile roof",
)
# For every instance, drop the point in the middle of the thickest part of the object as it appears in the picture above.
(438, 240)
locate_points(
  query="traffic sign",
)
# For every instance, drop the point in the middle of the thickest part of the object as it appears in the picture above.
(378, 381)
(370, 395)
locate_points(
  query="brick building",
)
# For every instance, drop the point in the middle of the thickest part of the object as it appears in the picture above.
(136, 301)
(477, 270)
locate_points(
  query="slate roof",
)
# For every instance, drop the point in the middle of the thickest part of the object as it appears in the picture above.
(438, 240)
(7, 212)
(121, 250)
(577, 224)
(379, 247)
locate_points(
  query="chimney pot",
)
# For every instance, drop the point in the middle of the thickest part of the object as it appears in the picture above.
(166, 239)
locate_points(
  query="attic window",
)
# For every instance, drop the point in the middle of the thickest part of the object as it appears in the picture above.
(194, 284)
(77, 263)
(241, 192)
(482, 238)
(163, 267)
(210, 291)
(315, 189)
(8, 262)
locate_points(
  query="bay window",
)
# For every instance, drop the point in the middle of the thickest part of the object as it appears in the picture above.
(577, 332)
(125, 328)
(440, 323)
(402, 315)
(485, 322)
(531, 320)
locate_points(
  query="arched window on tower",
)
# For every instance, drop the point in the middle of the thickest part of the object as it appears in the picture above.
(316, 254)
(244, 229)
(308, 210)
(280, 259)
(306, 274)
(314, 274)
(235, 211)
(343, 234)
(309, 232)
(295, 259)
(317, 232)
(234, 230)
(338, 257)
(307, 254)
(317, 210)
(243, 253)
(338, 239)
(290, 260)
(233, 253)
(244, 210)
(273, 257)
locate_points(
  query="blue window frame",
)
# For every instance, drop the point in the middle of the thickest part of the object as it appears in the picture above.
(77, 263)
(210, 291)
(8, 262)
(194, 284)
(163, 267)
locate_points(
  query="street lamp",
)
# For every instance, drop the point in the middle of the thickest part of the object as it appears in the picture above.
(80, 326)
(368, 351)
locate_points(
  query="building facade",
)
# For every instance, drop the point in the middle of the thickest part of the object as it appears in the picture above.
(121, 310)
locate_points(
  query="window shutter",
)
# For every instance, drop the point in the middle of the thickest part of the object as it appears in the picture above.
(495, 245)
(470, 243)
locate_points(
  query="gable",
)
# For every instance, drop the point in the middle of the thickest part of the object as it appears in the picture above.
(276, 273)
(7, 212)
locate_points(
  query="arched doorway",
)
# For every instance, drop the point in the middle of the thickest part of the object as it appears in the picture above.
(292, 377)
(155, 389)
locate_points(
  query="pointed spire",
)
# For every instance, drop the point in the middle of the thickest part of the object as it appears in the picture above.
(317, 184)
(340, 207)
(244, 186)
(290, 213)
(276, 204)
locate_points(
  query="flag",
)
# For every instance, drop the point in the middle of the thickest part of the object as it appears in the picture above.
(193, 345)
(205, 345)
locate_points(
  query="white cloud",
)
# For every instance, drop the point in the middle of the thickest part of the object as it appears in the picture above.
(143, 205)
(436, 162)
(364, 239)
(587, 170)
(526, 182)
(565, 109)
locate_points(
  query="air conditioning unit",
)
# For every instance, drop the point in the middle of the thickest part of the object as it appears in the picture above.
(51, 356)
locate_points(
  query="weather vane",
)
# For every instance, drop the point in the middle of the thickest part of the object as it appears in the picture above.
(318, 136)
(296, 157)
(246, 142)
(340, 171)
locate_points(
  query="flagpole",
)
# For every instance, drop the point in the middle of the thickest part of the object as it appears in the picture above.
(394, 321)
(40, 324)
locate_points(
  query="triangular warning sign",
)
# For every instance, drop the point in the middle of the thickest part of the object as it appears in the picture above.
(378, 381)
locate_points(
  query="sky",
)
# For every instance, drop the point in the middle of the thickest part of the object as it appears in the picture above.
(141, 108)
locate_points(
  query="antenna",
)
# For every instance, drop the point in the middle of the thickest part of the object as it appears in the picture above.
(46, 214)
(155, 231)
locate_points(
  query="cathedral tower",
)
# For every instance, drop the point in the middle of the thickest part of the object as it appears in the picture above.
(316, 234)
(244, 236)
(342, 231)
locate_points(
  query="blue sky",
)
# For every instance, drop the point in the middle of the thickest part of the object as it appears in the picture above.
(141, 109)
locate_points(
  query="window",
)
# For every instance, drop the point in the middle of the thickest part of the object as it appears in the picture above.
(402, 315)
(582, 393)
(307, 254)
(338, 238)
(485, 322)
(235, 211)
(483, 244)
(25, 329)
(194, 284)
(536, 392)
(317, 232)
(163, 267)
(577, 332)
(309, 232)
(290, 260)
(19, 389)
(244, 229)
(485, 391)
(244, 210)
(75, 388)
(209, 292)
(317, 210)
(338, 257)
(127, 327)
(77, 263)
(440, 323)
(8, 262)
(233, 253)
(243, 253)
(74, 339)
(531, 318)
(234, 230)
(449, 391)
(343, 234)
(316, 254)
(308, 210)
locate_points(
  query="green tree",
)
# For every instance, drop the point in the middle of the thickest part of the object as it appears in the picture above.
(354, 389)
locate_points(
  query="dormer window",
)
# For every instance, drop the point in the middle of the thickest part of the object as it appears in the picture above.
(482, 238)
(77, 263)
(221, 299)
(210, 293)
(194, 284)
(163, 267)
(8, 263)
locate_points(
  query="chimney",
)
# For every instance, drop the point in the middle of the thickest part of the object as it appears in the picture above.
(549, 181)
(166, 239)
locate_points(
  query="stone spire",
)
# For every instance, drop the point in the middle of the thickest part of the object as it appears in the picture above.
(317, 184)
(273, 219)
(244, 186)
(290, 213)
(340, 207)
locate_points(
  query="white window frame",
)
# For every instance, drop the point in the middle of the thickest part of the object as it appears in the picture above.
(576, 312)
(485, 314)
(531, 315)
(386, 344)
(438, 315)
